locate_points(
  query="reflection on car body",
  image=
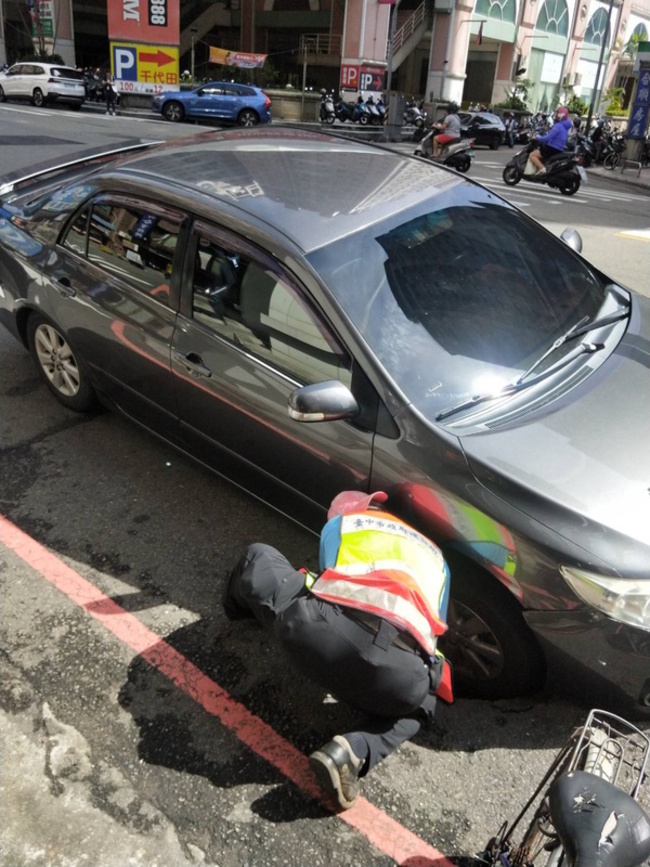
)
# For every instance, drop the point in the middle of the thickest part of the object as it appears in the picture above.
(311, 333)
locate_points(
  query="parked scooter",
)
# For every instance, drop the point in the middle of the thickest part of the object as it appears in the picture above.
(415, 114)
(360, 112)
(563, 171)
(327, 113)
(344, 110)
(456, 154)
(375, 115)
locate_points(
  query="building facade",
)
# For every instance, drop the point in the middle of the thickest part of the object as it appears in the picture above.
(471, 51)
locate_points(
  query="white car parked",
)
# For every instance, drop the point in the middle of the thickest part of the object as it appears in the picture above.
(43, 84)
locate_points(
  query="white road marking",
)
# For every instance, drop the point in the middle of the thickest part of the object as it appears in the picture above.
(637, 234)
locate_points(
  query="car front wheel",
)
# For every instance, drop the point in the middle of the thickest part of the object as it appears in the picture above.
(37, 97)
(59, 366)
(495, 143)
(3, 98)
(248, 117)
(173, 111)
(493, 652)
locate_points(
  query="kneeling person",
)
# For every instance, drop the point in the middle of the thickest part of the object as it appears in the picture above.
(365, 629)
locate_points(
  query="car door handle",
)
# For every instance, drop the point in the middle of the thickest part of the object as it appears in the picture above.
(193, 362)
(64, 287)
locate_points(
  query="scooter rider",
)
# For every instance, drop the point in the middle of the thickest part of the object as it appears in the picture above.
(364, 629)
(449, 129)
(553, 142)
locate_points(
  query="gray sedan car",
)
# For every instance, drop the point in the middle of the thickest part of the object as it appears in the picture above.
(305, 313)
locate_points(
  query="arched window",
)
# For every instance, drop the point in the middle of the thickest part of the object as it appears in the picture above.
(554, 18)
(502, 10)
(597, 28)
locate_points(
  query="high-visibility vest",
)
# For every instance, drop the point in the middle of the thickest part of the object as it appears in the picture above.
(375, 563)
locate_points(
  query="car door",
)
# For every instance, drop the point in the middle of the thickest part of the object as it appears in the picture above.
(14, 82)
(209, 101)
(247, 336)
(117, 294)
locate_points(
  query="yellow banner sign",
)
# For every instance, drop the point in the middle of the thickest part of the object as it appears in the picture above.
(236, 58)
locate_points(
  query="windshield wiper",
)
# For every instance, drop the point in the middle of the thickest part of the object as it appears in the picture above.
(521, 384)
(584, 326)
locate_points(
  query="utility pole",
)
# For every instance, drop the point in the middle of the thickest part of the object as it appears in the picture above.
(596, 91)
(193, 31)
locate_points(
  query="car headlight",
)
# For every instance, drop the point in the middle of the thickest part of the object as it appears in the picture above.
(624, 599)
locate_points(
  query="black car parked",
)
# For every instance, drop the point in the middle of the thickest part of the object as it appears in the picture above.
(307, 314)
(484, 127)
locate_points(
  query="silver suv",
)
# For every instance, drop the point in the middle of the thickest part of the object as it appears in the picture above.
(43, 83)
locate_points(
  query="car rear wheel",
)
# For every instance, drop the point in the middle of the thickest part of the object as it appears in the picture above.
(76, 106)
(248, 117)
(37, 98)
(493, 652)
(511, 176)
(59, 366)
(173, 111)
(3, 98)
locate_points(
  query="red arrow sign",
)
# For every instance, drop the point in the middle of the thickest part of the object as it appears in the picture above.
(159, 58)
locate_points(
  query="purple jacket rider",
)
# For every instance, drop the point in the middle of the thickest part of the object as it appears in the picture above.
(557, 136)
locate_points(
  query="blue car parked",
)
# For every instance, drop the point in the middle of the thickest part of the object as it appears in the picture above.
(226, 101)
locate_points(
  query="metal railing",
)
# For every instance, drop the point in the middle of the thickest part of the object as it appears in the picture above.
(320, 43)
(418, 19)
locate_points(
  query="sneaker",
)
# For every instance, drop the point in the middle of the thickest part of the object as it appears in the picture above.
(337, 771)
(232, 609)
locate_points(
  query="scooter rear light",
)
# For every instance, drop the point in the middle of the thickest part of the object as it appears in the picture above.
(580, 159)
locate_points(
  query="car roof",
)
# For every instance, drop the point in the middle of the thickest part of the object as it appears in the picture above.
(310, 186)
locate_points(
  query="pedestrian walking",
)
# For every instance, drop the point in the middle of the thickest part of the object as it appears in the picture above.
(110, 95)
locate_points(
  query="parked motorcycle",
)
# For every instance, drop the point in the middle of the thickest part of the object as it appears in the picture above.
(457, 154)
(360, 112)
(327, 112)
(585, 810)
(344, 110)
(563, 171)
(415, 114)
(375, 115)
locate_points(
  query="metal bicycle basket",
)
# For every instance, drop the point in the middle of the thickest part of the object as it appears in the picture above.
(606, 745)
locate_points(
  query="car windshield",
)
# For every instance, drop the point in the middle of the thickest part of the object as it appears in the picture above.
(458, 296)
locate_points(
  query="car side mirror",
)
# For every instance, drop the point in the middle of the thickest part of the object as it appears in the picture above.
(572, 238)
(322, 401)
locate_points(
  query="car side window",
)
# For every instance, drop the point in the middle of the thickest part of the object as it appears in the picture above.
(251, 305)
(134, 243)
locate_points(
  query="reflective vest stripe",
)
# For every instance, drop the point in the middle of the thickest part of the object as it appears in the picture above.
(384, 567)
(388, 604)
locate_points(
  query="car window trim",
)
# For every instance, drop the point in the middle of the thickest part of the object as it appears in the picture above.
(159, 208)
(260, 257)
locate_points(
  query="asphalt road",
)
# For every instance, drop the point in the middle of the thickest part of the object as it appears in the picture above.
(139, 727)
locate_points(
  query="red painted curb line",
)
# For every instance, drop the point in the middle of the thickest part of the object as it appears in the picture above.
(387, 835)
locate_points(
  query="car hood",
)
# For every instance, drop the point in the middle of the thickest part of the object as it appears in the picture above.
(583, 468)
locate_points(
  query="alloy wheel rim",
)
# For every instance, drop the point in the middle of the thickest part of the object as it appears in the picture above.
(57, 361)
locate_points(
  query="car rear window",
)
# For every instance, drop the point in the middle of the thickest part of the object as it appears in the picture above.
(64, 72)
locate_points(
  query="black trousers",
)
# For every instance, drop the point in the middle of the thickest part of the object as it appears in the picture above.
(390, 684)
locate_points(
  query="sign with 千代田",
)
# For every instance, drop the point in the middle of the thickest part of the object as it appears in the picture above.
(140, 68)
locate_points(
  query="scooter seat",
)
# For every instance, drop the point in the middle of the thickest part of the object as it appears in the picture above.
(598, 824)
